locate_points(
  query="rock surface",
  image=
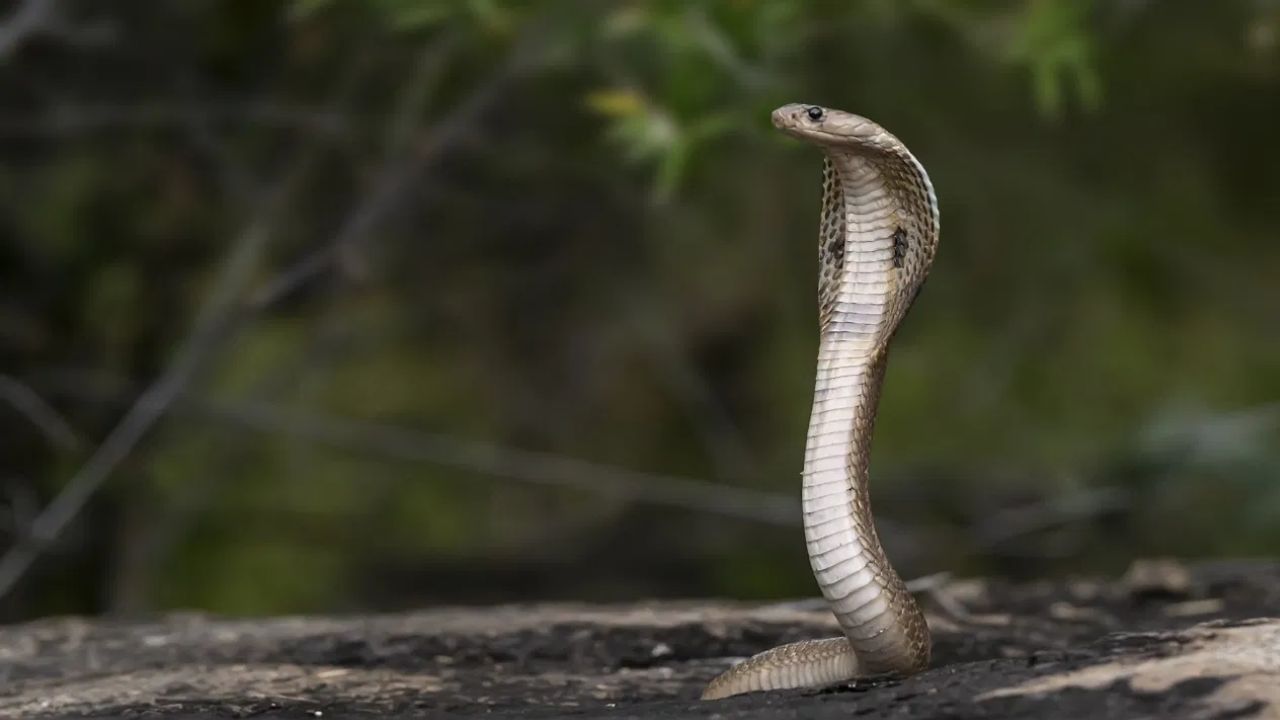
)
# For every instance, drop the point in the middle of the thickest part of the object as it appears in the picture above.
(1166, 641)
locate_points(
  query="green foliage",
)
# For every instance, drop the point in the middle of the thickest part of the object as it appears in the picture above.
(1056, 43)
(605, 253)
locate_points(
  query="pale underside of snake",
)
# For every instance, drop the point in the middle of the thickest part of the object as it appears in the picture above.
(877, 238)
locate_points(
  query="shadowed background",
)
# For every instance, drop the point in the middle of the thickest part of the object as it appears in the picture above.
(320, 305)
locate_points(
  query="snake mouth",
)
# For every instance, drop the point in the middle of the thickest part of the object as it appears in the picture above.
(793, 118)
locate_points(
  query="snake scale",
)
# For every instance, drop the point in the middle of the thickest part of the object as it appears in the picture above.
(877, 238)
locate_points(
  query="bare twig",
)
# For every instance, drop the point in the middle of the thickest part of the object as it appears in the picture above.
(403, 123)
(928, 583)
(224, 312)
(543, 468)
(62, 120)
(935, 587)
(530, 466)
(39, 413)
(220, 315)
(1207, 434)
(29, 18)
(398, 173)
(212, 324)
(41, 17)
(1001, 527)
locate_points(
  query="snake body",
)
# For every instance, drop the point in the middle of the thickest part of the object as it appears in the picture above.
(877, 238)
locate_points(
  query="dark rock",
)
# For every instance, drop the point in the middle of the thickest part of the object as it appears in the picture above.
(1064, 649)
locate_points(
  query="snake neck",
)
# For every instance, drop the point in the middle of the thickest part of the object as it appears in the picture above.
(860, 291)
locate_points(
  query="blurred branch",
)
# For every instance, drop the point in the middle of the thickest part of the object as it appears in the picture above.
(530, 466)
(212, 325)
(542, 468)
(399, 171)
(219, 316)
(64, 120)
(201, 126)
(402, 124)
(41, 17)
(1212, 434)
(224, 311)
(556, 470)
(56, 429)
(1002, 526)
(29, 18)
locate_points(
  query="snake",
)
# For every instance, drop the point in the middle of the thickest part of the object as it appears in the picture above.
(878, 233)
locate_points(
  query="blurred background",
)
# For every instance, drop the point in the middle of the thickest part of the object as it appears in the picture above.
(315, 305)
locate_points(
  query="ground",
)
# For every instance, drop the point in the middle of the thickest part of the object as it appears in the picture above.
(1165, 641)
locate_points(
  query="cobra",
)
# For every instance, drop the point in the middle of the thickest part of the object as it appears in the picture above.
(877, 237)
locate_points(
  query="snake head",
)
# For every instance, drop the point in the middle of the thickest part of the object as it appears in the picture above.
(830, 128)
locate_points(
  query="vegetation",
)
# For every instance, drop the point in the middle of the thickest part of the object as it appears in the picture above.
(485, 300)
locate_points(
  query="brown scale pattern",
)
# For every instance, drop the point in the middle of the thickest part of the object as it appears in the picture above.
(831, 243)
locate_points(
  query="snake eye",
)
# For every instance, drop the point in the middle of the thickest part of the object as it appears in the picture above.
(815, 112)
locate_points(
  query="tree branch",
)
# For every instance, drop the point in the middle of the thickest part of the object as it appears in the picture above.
(405, 444)
(398, 172)
(39, 413)
(211, 327)
(29, 18)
